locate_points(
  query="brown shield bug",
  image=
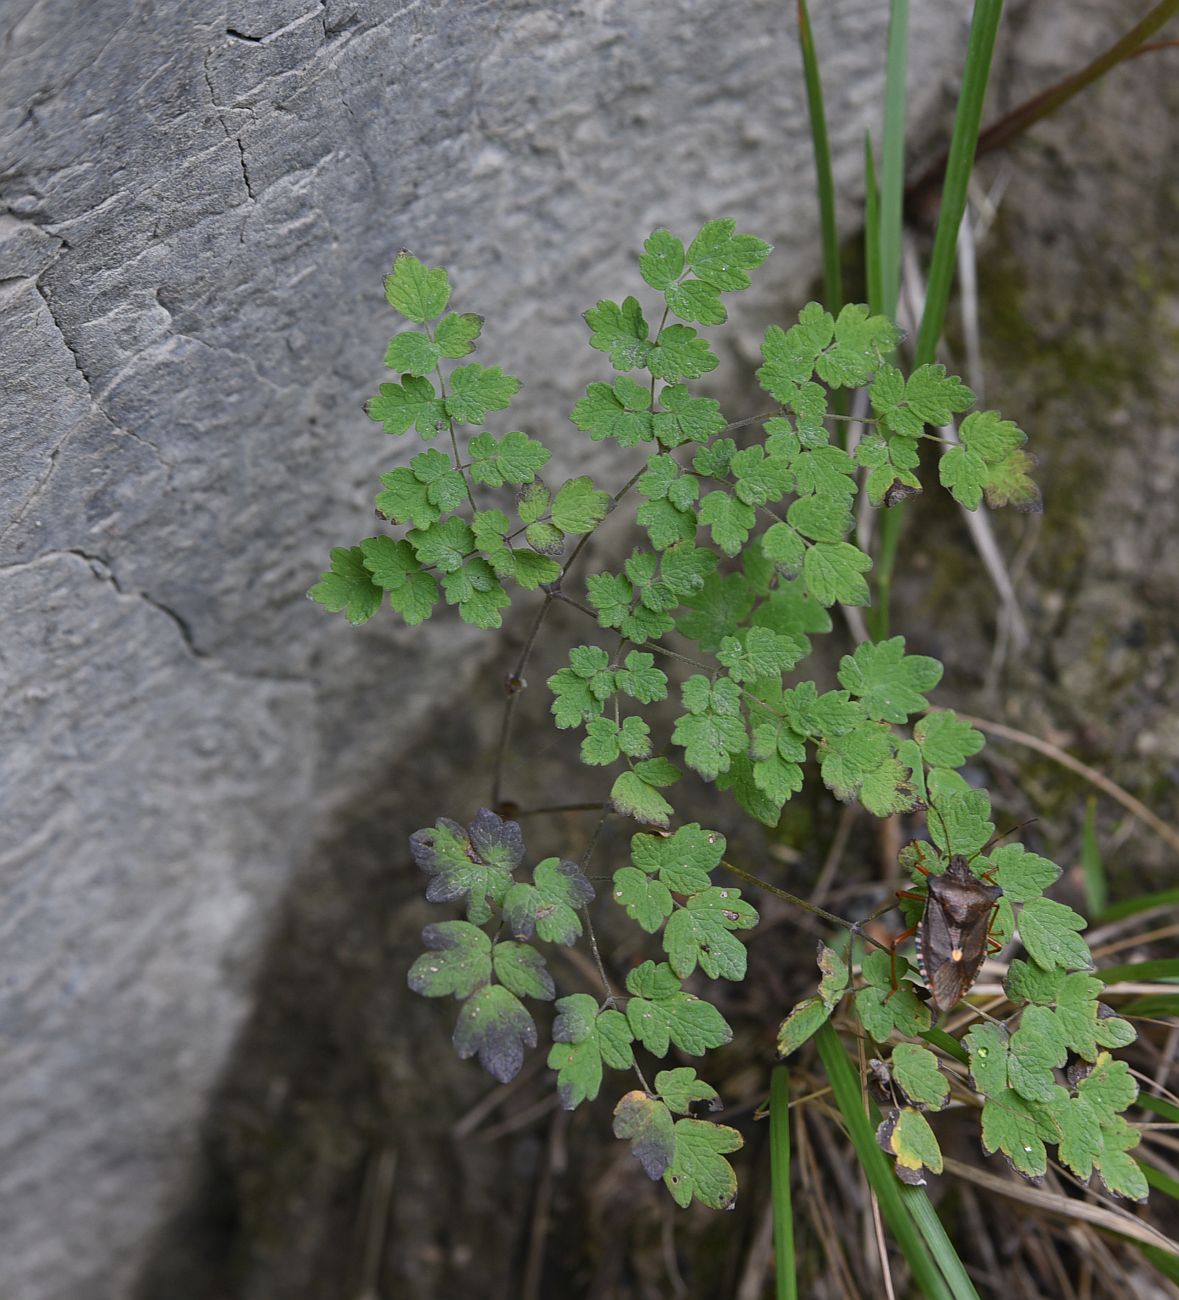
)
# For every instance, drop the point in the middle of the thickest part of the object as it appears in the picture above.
(953, 935)
(954, 932)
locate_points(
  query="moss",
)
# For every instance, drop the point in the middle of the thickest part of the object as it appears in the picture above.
(1069, 358)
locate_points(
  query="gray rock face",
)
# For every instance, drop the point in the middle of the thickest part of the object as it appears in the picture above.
(200, 204)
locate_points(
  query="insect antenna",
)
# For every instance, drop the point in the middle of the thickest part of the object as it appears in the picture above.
(1002, 835)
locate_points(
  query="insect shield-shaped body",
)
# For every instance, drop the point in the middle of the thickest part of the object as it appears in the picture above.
(953, 932)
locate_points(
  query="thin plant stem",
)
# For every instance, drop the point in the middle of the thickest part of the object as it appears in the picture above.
(806, 906)
(516, 680)
(550, 809)
(610, 999)
(515, 686)
(458, 460)
(1013, 124)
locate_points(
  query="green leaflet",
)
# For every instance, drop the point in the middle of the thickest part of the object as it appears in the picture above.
(660, 1013)
(906, 1135)
(698, 1168)
(494, 1026)
(348, 586)
(646, 1123)
(418, 292)
(811, 1013)
(549, 905)
(701, 932)
(584, 1039)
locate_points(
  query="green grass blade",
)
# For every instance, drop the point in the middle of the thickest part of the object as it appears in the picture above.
(983, 29)
(1158, 1180)
(950, 1045)
(1143, 903)
(872, 229)
(892, 157)
(1158, 1106)
(940, 1245)
(1048, 101)
(845, 1088)
(1162, 968)
(941, 270)
(824, 178)
(1166, 1263)
(892, 205)
(787, 1284)
(1151, 1006)
(1092, 866)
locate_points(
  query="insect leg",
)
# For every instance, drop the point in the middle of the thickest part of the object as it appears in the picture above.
(892, 951)
(993, 945)
(924, 870)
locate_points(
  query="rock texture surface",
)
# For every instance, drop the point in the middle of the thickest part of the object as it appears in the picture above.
(200, 203)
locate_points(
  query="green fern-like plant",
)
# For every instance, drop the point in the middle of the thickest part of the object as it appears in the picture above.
(744, 544)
